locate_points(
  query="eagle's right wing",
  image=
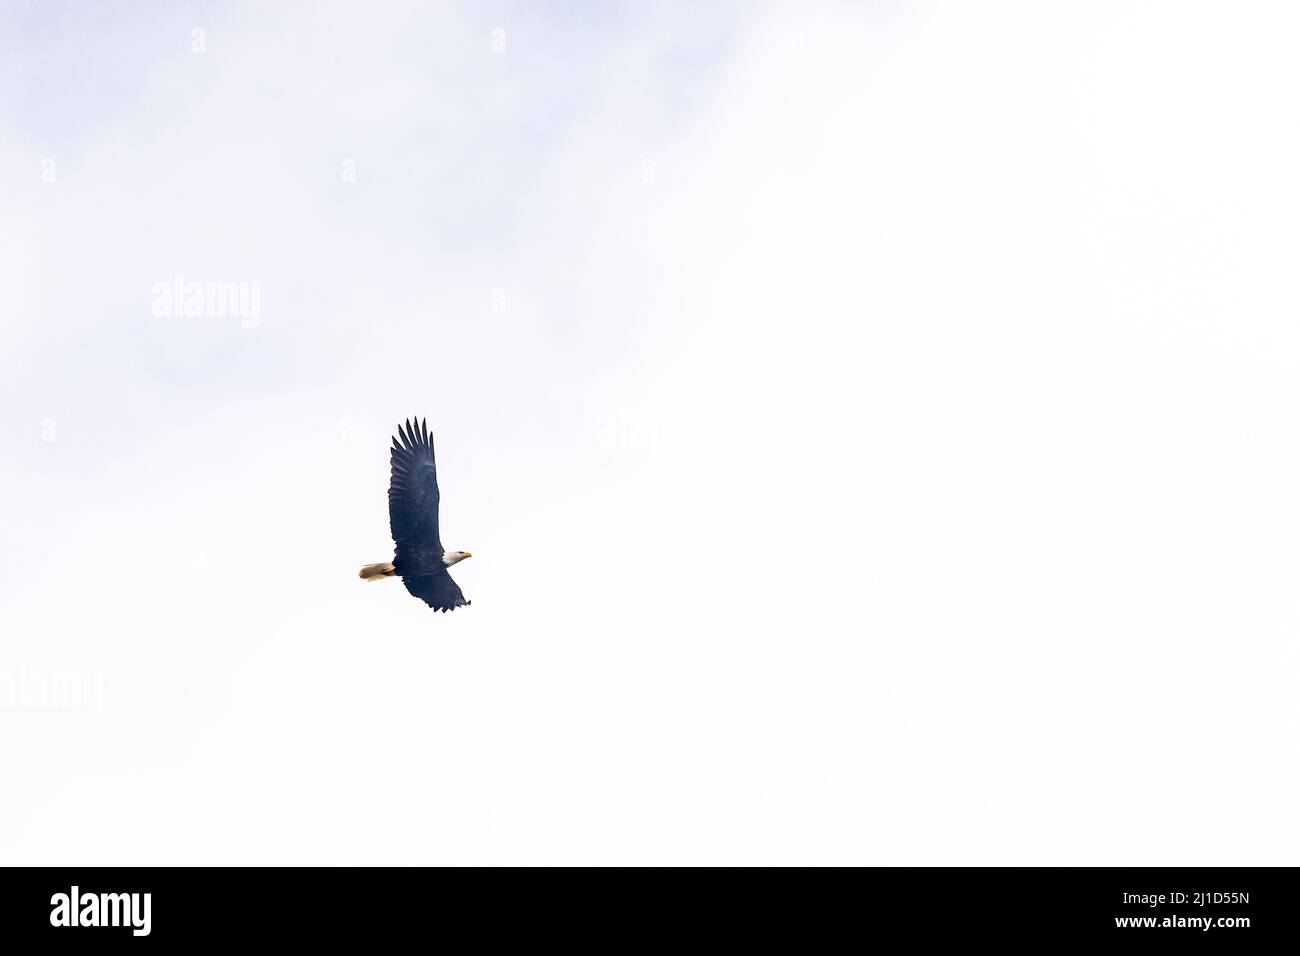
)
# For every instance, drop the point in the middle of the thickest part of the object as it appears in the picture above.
(413, 498)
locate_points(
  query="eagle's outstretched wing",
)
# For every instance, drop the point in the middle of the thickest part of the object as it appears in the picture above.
(413, 501)
(437, 590)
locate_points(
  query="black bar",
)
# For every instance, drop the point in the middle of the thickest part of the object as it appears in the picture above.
(1056, 906)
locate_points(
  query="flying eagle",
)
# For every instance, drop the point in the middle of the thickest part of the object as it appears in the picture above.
(413, 517)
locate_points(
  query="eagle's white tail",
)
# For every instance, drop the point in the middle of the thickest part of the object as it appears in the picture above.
(373, 572)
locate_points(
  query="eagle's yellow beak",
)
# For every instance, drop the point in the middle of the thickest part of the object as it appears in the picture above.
(468, 555)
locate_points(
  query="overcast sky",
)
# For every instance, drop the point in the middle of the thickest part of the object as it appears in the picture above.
(874, 425)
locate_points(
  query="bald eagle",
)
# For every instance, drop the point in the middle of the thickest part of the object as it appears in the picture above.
(420, 561)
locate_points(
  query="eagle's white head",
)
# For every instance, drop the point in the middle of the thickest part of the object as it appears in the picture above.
(452, 557)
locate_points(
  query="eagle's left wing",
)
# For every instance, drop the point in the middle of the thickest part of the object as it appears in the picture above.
(437, 590)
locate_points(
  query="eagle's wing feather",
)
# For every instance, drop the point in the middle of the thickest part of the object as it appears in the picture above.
(437, 590)
(413, 500)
